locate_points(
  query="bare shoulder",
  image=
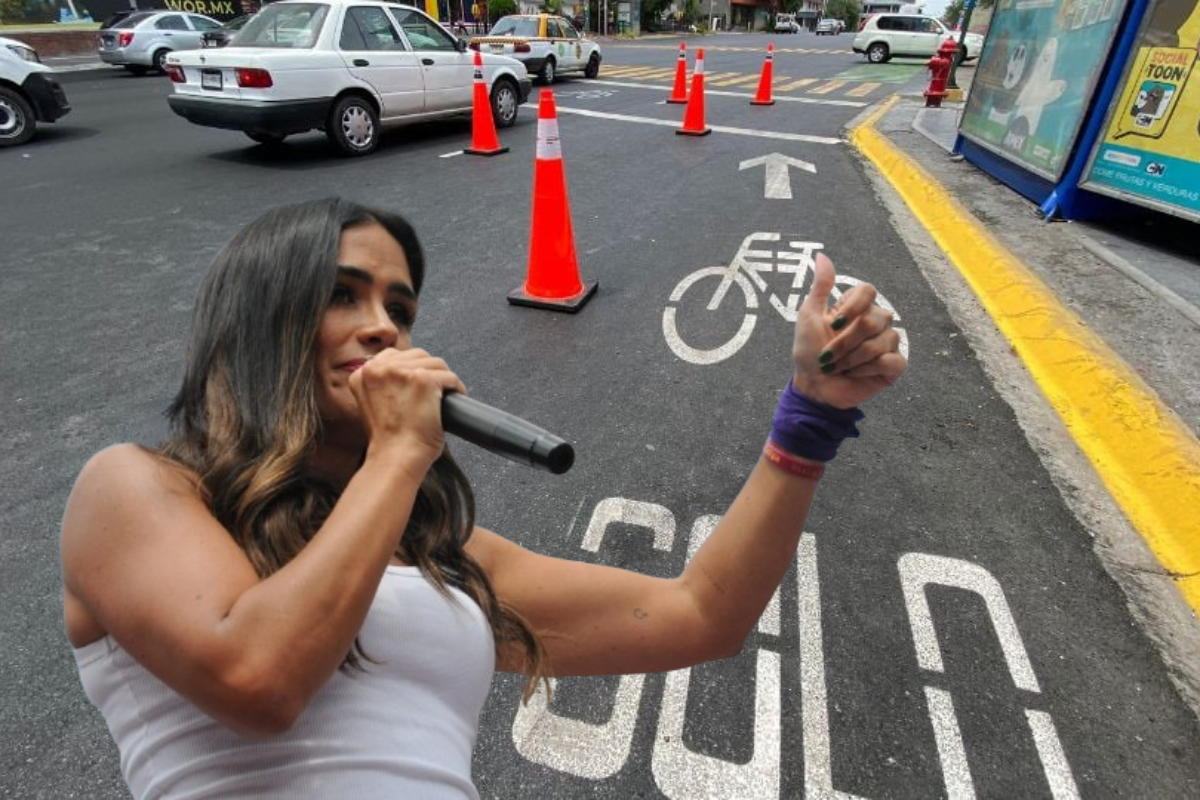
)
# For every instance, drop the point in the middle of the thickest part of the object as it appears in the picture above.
(123, 479)
(134, 514)
(126, 466)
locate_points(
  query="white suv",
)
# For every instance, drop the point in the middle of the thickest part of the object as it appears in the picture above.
(28, 93)
(786, 23)
(346, 67)
(887, 35)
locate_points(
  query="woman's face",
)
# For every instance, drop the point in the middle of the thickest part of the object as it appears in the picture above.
(372, 308)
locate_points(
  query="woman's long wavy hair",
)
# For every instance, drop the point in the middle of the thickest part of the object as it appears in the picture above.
(245, 419)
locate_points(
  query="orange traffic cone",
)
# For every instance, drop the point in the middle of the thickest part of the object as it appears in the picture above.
(679, 93)
(484, 141)
(693, 117)
(763, 96)
(552, 280)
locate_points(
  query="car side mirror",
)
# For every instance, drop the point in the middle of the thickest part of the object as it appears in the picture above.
(460, 45)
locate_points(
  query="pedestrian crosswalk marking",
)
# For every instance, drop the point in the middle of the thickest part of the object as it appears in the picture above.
(782, 83)
(863, 89)
(796, 84)
(735, 81)
(827, 88)
(725, 49)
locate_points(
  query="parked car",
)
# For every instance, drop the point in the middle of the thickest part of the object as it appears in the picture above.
(828, 27)
(141, 41)
(545, 43)
(786, 23)
(29, 94)
(347, 67)
(887, 35)
(221, 36)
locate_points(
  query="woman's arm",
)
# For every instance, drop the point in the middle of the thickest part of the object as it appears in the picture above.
(145, 561)
(601, 620)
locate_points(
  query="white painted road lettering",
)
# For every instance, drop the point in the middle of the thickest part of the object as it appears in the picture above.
(599, 751)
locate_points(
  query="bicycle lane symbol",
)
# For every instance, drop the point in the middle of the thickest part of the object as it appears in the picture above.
(759, 253)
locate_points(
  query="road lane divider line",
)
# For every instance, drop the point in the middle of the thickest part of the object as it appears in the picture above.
(819, 101)
(672, 123)
(1148, 460)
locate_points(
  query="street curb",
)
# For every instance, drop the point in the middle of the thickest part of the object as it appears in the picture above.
(1148, 460)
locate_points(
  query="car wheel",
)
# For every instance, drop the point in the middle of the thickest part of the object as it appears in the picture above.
(593, 67)
(17, 122)
(266, 137)
(878, 53)
(547, 72)
(160, 60)
(353, 126)
(505, 101)
(135, 69)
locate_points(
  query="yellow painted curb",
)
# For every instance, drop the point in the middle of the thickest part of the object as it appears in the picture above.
(1147, 458)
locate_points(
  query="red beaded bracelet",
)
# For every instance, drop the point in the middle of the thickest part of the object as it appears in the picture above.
(790, 463)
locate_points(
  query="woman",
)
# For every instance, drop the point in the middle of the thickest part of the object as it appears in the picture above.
(290, 597)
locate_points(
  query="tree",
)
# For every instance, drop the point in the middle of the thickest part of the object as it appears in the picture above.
(652, 11)
(848, 11)
(551, 6)
(953, 13)
(12, 11)
(501, 8)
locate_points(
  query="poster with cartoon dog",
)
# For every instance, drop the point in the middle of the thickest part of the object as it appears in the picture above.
(1036, 76)
(1150, 153)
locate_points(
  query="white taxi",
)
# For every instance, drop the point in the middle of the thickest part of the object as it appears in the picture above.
(347, 67)
(546, 43)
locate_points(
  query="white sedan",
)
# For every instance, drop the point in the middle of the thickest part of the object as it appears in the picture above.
(347, 68)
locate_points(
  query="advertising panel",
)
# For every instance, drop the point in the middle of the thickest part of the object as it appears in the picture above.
(1036, 75)
(1150, 153)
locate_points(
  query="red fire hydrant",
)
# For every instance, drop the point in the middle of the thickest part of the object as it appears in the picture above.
(939, 73)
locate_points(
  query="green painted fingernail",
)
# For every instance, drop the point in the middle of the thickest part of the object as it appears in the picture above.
(838, 323)
(825, 357)
(827, 368)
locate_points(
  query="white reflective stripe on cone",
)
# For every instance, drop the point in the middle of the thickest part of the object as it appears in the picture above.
(549, 147)
(699, 68)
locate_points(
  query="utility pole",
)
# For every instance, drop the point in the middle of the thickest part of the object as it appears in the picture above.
(968, 7)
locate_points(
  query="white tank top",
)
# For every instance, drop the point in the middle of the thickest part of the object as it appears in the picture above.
(405, 728)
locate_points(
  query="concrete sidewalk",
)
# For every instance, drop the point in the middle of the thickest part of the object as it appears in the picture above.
(1091, 332)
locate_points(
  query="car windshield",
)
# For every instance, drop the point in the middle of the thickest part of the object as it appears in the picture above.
(133, 19)
(515, 26)
(285, 25)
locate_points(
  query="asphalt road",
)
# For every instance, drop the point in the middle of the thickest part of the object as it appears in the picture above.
(947, 628)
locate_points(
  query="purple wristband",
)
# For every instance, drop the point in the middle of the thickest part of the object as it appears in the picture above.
(809, 429)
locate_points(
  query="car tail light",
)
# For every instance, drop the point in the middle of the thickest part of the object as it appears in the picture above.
(125, 38)
(474, 45)
(253, 78)
(175, 73)
(521, 47)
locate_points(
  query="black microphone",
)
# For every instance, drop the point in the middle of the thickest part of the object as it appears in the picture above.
(504, 434)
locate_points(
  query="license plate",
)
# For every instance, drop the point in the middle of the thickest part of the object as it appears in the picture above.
(497, 48)
(210, 79)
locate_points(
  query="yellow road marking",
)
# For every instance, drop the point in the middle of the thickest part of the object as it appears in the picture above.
(797, 84)
(735, 81)
(827, 87)
(863, 89)
(1146, 457)
(626, 71)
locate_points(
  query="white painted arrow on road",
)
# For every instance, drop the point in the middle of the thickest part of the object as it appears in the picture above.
(779, 182)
